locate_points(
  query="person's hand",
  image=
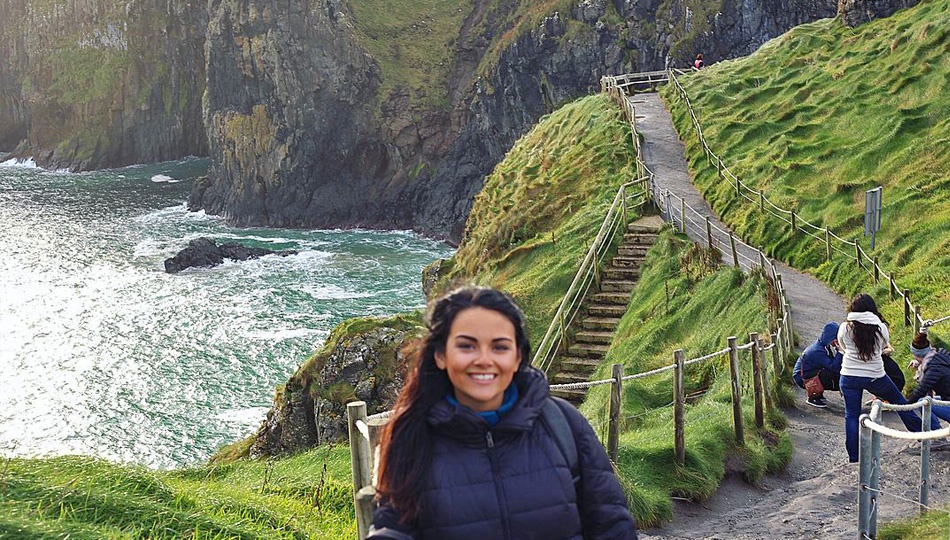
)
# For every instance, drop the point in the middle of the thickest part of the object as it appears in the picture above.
(914, 363)
(888, 349)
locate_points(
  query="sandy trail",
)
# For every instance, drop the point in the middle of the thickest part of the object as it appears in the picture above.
(816, 497)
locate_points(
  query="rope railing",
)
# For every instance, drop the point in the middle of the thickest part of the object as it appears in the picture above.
(851, 248)
(869, 458)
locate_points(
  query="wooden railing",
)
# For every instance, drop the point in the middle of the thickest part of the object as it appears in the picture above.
(588, 274)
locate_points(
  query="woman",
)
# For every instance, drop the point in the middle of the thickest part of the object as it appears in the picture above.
(862, 338)
(933, 373)
(468, 453)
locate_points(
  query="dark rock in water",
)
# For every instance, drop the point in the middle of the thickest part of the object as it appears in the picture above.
(203, 252)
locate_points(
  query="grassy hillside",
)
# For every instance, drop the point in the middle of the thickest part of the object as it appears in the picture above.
(822, 114)
(307, 496)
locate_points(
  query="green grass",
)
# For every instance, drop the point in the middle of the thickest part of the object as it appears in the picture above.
(306, 496)
(815, 118)
(542, 206)
(818, 116)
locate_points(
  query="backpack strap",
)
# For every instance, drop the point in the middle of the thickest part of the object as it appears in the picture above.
(555, 421)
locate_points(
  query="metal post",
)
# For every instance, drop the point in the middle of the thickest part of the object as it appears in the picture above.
(864, 477)
(925, 457)
(736, 396)
(679, 400)
(875, 481)
(613, 434)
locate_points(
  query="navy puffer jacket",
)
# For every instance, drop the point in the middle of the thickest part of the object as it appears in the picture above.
(513, 482)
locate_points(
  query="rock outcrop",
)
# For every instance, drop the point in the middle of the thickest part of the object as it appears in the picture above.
(91, 84)
(855, 12)
(204, 252)
(311, 408)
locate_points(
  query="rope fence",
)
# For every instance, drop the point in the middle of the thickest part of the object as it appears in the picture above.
(848, 248)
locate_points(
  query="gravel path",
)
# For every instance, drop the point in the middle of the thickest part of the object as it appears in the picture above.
(816, 497)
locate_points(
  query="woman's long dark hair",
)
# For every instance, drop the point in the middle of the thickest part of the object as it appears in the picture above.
(405, 442)
(865, 335)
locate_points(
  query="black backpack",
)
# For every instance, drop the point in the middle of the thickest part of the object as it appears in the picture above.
(555, 422)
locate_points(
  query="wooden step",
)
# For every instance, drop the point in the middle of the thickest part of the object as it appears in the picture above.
(638, 228)
(623, 261)
(612, 298)
(579, 364)
(568, 377)
(588, 350)
(621, 273)
(632, 250)
(641, 238)
(613, 285)
(606, 310)
(602, 324)
(576, 397)
(596, 334)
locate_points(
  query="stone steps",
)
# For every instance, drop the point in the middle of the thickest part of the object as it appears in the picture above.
(604, 310)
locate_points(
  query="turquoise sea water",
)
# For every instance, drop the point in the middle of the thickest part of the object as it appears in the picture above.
(102, 353)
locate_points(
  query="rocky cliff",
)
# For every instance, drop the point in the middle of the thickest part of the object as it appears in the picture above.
(316, 116)
(90, 84)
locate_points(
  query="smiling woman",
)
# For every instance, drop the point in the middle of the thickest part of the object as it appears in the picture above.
(473, 406)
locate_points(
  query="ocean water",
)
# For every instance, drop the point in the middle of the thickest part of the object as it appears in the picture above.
(103, 353)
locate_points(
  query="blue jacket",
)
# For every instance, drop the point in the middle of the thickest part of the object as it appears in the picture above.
(513, 482)
(819, 355)
(936, 377)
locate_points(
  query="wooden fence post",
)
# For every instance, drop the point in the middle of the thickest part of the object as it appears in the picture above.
(892, 286)
(877, 270)
(719, 167)
(735, 254)
(359, 461)
(761, 201)
(563, 330)
(778, 366)
(613, 433)
(758, 388)
(857, 253)
(906, 307)
(683, 214)
(374, 426)
(916, 319)
(679, 401)
(709, 233)
(827, 245)
(736, 396)
(364, 510)
(794, 226)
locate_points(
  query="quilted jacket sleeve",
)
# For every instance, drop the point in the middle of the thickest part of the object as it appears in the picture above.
(386, 525)
(601, 501)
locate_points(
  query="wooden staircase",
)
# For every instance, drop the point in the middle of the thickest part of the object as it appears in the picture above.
(604, 309)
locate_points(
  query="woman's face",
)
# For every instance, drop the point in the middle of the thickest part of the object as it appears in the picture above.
(480, 358)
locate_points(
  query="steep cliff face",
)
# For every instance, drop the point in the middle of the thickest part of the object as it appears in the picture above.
(88, 84)
(855, 12)
(313, 120)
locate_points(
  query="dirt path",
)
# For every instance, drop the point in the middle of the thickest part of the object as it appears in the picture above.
(816, 497)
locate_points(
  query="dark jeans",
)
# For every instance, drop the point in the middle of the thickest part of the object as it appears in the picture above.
(852, 389)
(829, 379)
(937, 411)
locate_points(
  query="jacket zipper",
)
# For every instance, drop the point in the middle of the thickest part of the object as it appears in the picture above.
(499, 491)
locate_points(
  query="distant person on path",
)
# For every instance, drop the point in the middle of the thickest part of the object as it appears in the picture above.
(933, 374)
(823, 360)
(862, 338)
(699, 64)
(477, 448)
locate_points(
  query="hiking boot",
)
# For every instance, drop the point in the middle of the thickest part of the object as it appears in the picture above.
(817, 401)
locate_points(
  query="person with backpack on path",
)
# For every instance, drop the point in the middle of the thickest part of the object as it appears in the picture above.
(478, 448)
(933, 374)
(821, 359)
(863, 337)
